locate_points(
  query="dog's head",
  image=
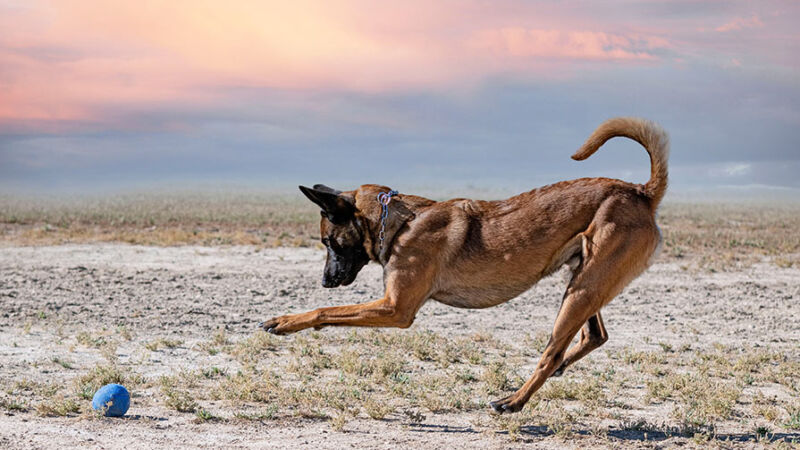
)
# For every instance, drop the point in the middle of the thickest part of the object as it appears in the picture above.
(341, 233)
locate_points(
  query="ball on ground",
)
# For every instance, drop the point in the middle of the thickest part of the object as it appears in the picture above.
(112, 399)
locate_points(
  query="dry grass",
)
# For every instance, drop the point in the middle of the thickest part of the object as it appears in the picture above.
(725, 236)
(12, 405)
(176, 391)
(370, 373)
(708, 236)
(65, 399)
(58, 406)
(406, 375)
(700, 400)
(210, 218)
(88, 383)
(160, 343)
(377, 373)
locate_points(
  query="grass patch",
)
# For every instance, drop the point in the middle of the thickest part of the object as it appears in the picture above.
(57, 406)
(589, 392)
(204, 415)
(252, 349)
(726, 236)
(12, 405)
(700, 400)
(179, 218)
(793, 421)
(248, 386)
(498, 378)
(86, 385)
(377, 409)
(179, 399)
(91, 340)
(160, 343)
(179, 390)
(267, 413)
(62, 362)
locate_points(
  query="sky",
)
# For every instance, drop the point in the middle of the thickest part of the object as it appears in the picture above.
(105, 95)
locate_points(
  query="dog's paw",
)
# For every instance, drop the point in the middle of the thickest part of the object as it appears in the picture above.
(277, 325)
(506, 405)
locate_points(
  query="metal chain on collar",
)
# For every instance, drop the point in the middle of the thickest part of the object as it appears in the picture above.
(384, 198)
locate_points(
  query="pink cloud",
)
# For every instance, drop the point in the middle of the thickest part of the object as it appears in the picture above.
(64, 60)
(76, 59)
(577, 45)
(740, 23)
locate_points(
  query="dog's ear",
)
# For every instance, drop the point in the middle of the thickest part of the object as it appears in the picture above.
(335, 205)
(323, 188)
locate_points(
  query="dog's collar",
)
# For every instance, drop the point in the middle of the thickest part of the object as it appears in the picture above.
(384, 198)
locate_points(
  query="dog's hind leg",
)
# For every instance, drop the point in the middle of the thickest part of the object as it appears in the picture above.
(611, 261)
(575, 310)
(593, 335)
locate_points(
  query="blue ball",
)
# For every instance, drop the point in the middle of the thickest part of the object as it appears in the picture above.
(112, 399)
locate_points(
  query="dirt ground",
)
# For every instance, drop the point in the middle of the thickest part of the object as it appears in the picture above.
(182, 320)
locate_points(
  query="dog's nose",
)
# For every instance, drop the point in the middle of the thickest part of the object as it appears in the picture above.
(328, 282)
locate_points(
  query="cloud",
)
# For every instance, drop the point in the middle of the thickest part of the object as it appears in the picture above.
(74, 61)
(730, 170)
(735, 170)
(78, 63)
(740, 23)
(518, 42)
(734, 62)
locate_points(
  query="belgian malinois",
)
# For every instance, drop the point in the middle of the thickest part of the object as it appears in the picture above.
(476, 254)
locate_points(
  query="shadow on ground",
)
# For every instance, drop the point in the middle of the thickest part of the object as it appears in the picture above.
(623, 435)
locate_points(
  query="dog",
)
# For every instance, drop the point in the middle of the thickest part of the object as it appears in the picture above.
(476, 254)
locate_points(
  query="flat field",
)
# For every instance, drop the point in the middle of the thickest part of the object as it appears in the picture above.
(163, 295)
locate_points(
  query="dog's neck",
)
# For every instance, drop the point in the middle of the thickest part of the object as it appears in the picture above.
(402, 209)
(370, 222)
(370, 227)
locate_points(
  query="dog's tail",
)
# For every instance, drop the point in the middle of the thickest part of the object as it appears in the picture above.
(652, 137)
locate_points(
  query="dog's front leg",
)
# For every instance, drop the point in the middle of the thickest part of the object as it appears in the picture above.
(397, 309)
(380, 313)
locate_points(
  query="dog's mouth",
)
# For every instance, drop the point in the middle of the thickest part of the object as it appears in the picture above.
(342, 270)
(327, 283)
(338, 281)
(349, 280)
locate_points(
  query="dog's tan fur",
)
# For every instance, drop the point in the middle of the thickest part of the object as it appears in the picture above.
(477, 254)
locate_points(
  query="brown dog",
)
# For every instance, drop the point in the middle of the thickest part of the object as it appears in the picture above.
(476, 254)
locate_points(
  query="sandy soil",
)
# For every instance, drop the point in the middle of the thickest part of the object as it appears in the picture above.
(50, 294)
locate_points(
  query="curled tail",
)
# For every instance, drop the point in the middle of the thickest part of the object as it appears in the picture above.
(652, 137)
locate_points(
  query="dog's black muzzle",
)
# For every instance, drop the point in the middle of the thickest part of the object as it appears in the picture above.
(341, 270)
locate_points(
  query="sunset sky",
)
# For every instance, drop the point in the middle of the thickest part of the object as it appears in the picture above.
(98, 95)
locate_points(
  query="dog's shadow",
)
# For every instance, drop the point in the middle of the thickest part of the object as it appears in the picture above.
(541, 431)
(648, 436)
